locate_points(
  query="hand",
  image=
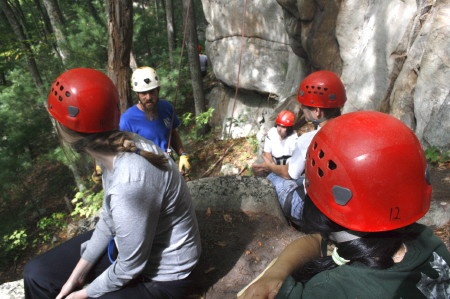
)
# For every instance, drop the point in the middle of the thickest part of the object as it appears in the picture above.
(81, 294)
(184, 165)
(265, 287)
(67, 291)
(97, 174)
(260, 170)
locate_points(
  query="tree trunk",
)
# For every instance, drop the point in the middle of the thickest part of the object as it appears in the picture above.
(192, 51)
(24, 45)
(120, 35)
(48, 30)
(57, 22)
(170, 30)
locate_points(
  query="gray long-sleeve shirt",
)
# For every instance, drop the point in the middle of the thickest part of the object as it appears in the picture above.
(150, 214)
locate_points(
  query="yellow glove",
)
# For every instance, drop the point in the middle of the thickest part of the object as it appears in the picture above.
(183, 165)
(97, 174)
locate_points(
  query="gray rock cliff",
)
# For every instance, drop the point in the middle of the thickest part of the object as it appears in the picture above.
(393, 56)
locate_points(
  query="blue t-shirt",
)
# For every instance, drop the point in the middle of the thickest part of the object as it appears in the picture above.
(157, 130)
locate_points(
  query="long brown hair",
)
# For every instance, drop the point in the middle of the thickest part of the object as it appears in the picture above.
(112, 142)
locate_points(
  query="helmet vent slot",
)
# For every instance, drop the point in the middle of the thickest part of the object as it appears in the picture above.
(320, 172)
(332, 165)
(68, 94)
(321, 154)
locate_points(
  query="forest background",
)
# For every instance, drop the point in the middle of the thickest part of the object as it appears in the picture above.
(43, 187)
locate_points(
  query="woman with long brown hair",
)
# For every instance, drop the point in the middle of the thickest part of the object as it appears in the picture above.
(147, 242)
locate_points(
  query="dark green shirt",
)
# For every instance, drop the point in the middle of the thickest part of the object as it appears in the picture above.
(424, 272)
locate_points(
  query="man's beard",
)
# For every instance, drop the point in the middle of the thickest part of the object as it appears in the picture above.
(152, 112)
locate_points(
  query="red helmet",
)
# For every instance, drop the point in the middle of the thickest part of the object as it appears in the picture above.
(285, 118)
(84, 100)
(367, 172)
(199, 48)
(322, 89)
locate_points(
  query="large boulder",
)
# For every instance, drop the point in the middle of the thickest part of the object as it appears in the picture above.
(393, 56)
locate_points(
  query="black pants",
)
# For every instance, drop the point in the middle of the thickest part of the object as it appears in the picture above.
(45, 275)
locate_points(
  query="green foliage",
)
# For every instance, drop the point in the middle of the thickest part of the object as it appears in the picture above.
(188, 119)
(149, 35)
(13, 246)
(434, 155)
(26, 131)
(175, 82)
(47, 227)
(253, 141)
(205, 117)
(84, 29)
(195, 123)
(87, 203)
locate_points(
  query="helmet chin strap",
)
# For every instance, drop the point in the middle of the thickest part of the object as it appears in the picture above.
(345, 236)
(315, 122)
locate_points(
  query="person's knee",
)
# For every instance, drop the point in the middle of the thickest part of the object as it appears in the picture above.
(34, 270)
(38, 269)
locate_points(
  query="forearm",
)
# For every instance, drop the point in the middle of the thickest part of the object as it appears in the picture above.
(176, 143)
(76, 281)
(296, 254)
(291, 258)
(81, 271)
(280, 170)
(267, 157)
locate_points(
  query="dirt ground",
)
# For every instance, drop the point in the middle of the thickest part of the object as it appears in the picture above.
(237, 246)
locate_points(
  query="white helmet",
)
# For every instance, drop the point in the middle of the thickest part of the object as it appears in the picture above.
(144, 79)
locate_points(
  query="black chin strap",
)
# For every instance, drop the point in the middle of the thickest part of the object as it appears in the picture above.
(315, 122)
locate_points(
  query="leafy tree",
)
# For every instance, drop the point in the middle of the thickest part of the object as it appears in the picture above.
(26, 130)
(14, 20)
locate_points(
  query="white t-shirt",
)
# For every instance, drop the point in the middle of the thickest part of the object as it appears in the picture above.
(281, 149)
(203, 61)
(298, 159)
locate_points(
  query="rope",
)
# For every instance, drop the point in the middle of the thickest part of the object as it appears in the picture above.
(239, 65)
(179, 76)
(179, 70)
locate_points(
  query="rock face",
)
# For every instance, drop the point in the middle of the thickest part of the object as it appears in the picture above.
(393, 56)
